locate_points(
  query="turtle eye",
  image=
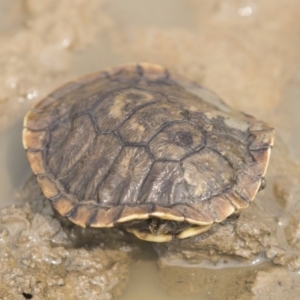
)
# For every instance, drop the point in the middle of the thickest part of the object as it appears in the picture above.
(263, 184)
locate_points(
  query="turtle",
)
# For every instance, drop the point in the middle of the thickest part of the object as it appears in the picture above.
(144, 149)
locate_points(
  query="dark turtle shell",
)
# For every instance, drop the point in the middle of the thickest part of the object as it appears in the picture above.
(139, 147)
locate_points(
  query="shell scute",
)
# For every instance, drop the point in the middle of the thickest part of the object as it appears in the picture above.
(126, 176)
(176, 140)
(36, 160)
(164, 185)
(63, 204)
(85, 177)
(35, 140)
(117, 106)
(145, 122)
(207, 173)
(76, 142)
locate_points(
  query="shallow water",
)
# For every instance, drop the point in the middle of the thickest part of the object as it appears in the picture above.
(222, 44)
(14, 165)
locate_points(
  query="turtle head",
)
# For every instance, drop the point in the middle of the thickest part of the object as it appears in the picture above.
(161, 230)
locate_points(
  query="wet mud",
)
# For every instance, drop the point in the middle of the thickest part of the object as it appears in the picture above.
(47, 258)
